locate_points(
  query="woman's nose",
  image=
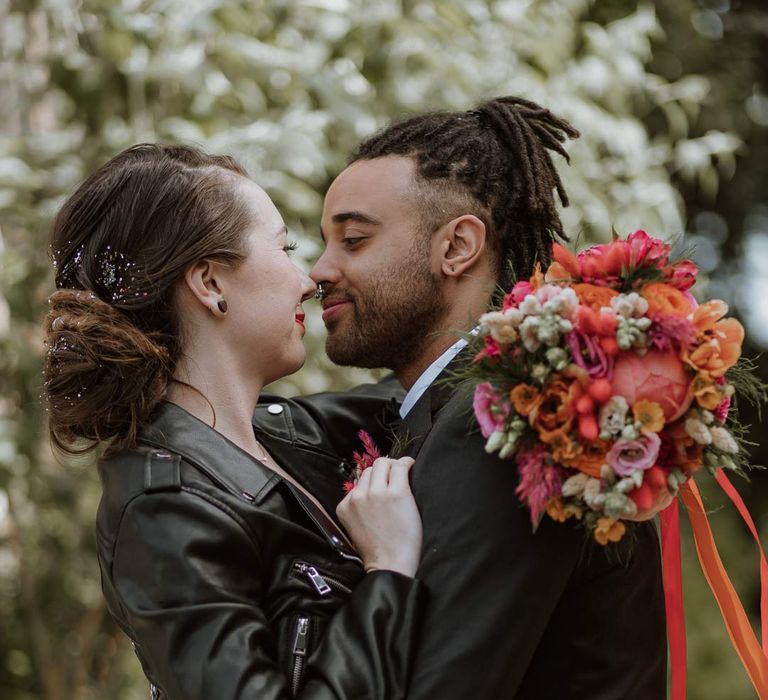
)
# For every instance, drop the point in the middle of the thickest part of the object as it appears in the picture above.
(309, 288)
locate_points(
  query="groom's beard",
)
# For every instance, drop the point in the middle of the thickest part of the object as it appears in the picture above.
(391, 321)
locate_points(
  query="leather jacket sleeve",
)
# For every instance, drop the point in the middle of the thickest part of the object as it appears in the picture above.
(189, 574)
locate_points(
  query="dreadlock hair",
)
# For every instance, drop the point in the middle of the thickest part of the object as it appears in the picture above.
(493, 162)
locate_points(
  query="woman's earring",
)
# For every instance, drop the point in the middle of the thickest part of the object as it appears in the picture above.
(222, 306)
(320, 292)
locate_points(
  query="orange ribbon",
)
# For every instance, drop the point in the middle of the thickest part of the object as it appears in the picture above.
(673, 598)
(733, 494)
(752, 656)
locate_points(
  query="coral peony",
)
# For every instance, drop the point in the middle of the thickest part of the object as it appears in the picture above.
(656, 376)
(490, 411)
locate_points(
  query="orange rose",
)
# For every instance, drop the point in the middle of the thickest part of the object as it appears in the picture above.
(525, 398)
(593, 296)
(555, 409)
(722, 339)
(664, 300)
(609, 530)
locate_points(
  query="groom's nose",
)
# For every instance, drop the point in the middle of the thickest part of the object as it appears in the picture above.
(325, 269)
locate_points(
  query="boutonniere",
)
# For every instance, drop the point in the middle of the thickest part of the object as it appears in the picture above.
(364, 458)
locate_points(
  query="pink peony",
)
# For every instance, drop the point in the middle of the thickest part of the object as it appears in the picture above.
(588, 353)
(539, 483)
(656, 376)
(627, 456)
(490, 410)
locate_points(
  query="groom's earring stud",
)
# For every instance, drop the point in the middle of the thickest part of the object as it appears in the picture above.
(222, 306)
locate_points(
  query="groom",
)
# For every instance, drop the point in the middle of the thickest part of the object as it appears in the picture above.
(429, 217)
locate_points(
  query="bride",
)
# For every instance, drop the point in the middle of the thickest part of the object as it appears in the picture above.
(176, 303)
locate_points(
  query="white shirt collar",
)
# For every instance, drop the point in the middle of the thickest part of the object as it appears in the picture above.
(430, 374)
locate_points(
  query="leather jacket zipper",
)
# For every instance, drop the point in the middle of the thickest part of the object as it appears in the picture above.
(300, 646)
(320, 582)
(335, 541)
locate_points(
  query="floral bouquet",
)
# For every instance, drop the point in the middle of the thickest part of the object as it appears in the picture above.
(608, 384)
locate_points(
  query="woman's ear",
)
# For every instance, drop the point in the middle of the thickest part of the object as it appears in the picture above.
(201, 280)
(462, 244)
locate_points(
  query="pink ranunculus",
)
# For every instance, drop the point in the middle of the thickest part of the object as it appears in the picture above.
(647, 251)
(521, 290)
(682, 275)
(490, 410)
(627, 456)
(656, 376)
(589, 354)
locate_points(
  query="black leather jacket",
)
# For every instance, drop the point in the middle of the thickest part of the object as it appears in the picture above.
(230, 584)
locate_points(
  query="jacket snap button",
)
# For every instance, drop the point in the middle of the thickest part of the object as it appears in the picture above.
(274, 409)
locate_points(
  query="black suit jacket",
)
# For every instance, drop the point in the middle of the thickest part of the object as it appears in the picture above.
(513, 614)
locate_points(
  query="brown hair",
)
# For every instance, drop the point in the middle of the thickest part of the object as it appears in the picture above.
(120, 245)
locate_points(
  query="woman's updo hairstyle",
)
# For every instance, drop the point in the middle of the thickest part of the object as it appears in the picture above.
(120, 246)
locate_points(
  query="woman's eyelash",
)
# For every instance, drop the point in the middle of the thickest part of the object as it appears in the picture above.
(292, 245)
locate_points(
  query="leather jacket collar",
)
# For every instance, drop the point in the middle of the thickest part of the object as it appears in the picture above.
(235, 470)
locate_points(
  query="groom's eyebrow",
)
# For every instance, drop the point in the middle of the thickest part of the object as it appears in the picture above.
(354, 215)
(358, 216)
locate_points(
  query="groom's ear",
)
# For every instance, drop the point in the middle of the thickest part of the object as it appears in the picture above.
(461, 245)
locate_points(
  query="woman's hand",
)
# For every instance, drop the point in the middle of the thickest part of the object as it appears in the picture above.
(382, 519)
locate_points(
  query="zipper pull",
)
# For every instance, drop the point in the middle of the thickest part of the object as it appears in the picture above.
(320, 584)
(302, 634)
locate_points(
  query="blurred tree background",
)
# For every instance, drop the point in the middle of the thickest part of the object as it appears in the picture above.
(672, 102)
